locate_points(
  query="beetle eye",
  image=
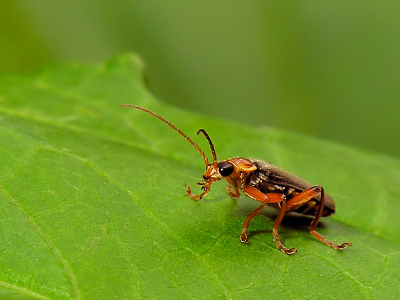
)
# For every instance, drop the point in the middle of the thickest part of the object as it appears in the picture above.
(225, 168)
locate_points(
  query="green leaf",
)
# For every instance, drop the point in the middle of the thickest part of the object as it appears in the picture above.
(93, 202)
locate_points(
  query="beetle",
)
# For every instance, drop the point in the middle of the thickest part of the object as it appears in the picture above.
(265, 183)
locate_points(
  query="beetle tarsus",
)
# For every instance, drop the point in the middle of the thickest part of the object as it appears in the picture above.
(243, 237)
(339, 247)
(283, 248)
(327, 242)
(280, 245)
(197, 197)
(344, 245)
(290, 251)
(191, 195)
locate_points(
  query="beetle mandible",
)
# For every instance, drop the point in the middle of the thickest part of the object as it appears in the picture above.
(265, 183)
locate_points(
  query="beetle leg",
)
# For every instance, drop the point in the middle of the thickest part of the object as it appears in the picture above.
(275, 230)
(267, 198)
(246, 223)
(233, 192)
(306, 196)
(232, 188)
(314, 224)
(205, 188)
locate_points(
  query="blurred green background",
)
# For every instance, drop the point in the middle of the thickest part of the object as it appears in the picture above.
(325, 68)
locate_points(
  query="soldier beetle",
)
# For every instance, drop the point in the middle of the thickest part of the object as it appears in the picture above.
(265, 183)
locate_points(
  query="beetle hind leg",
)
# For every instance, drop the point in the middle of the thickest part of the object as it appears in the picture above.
(327, 242)
(314, 224)
(303, 198)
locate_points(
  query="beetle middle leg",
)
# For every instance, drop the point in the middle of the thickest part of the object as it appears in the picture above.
(233, 192)
(306, 196)
(266, 199)
(232, 188)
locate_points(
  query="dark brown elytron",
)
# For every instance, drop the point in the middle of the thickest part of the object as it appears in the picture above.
(265, 183)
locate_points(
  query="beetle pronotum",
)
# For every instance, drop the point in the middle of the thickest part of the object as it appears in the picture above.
(265, 183)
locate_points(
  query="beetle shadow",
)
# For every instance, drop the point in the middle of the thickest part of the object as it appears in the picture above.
(291, 221)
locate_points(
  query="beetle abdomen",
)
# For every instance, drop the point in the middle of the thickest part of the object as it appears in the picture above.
(271, 179)
(310, 209)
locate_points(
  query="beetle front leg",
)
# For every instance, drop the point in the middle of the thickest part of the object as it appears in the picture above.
(205, 188)
(266, 199)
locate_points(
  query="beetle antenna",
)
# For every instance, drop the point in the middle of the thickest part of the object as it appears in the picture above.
(211, 144)
(179, 131)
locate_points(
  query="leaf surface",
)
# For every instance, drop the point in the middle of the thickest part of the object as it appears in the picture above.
(93, 203)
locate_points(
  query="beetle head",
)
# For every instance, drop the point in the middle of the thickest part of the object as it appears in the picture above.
(211, 174)
(233, 168)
